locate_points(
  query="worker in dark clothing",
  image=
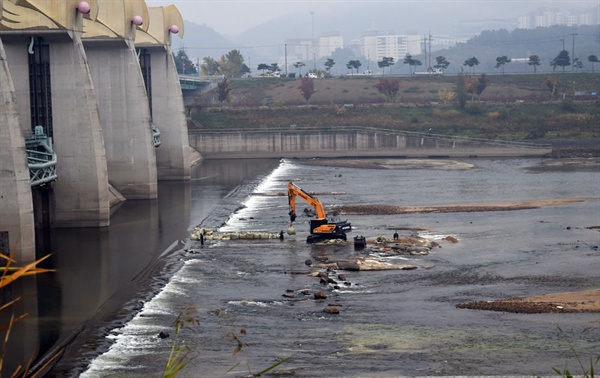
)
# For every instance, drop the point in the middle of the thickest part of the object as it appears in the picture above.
(281, 235)
(202, 238)
(395, 236)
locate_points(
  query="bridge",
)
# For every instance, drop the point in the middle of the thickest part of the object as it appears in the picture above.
(194, 83)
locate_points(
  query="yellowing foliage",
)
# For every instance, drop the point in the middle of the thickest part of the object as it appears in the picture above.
(446, 96)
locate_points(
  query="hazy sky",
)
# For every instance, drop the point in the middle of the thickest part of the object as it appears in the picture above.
(235, 16)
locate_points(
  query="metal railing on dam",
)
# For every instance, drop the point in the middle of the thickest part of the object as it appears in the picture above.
(351, 141)
(40, 158)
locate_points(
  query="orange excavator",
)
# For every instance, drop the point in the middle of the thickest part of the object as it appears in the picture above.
(320, 228)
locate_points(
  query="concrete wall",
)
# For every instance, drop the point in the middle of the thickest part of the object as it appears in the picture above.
(168, 115)
(347, 143)
(125, 117)
(80, 197)
(16, 206)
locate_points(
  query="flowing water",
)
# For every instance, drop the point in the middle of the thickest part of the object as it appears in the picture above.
(391, 323)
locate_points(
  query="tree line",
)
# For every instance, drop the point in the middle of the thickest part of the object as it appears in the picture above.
(232, 65)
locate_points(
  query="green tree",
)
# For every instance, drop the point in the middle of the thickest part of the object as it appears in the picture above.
(245, 69)
(209, 66)
(534, 61)
(224, 91)
(329, 65)
(461, 89)
(389, 88)
(354, 64)
(307, 88)
(562, 60)
(183, 63)
(262, 67)
(387, 61)
(501, 61)
(231, 64)
(343, 55)
(299, 66)
(274, 68)
(471, 62)
(593, 59)
(408, 59)
(441, 62)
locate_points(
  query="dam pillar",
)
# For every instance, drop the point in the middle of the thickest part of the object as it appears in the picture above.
(122, 98)
(125, 118)
(168, 115)
(16, 205)
(54, 90)
(164, 92)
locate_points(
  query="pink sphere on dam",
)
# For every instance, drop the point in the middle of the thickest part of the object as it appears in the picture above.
(84, 7)
(137, 20)
(174, 29)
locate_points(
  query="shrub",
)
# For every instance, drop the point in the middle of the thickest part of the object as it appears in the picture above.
(473, 109)
(567, 105)
(412, 90)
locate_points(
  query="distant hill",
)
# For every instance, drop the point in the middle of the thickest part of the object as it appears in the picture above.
(266, 42)
(200, 41)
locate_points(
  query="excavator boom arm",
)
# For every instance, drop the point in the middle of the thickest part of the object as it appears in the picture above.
(294, 191)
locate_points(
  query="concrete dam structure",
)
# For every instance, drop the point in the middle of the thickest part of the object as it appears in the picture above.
(350, 142)
(92, 113)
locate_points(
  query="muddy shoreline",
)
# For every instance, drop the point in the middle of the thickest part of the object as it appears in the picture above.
(569, 302)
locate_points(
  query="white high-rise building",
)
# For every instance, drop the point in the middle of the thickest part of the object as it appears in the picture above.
(375, 47)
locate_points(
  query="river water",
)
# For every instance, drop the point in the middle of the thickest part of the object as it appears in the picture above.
(391, 323)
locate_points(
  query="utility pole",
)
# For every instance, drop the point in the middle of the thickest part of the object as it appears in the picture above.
(312, 16)
(429, 63)
(563, 42)
(286, 71)
(573, 53)
(425, 48)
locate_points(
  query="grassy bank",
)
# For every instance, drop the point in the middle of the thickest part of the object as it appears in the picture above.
(512, 107)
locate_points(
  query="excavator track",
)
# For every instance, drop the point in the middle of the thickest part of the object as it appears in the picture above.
(315, 238)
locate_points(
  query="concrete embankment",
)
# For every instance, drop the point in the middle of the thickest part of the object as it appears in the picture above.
(350, 142)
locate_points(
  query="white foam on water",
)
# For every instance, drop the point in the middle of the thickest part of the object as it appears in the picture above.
(139, 337)
(254, 303)
(242, 220)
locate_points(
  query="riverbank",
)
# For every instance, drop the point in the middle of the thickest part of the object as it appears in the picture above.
(512, 108)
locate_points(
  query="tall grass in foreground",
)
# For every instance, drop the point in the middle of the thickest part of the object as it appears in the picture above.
(566, 373)
(10, 274)
(182, 354)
